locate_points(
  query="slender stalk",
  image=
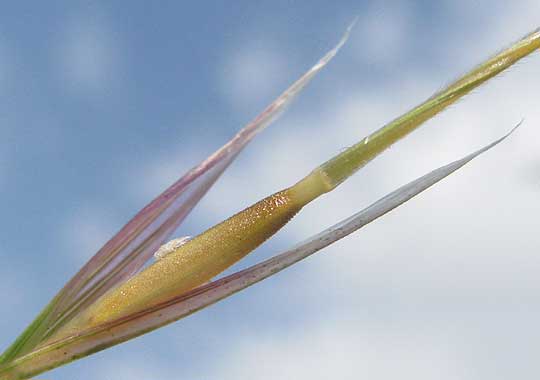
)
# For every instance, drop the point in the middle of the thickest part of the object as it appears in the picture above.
(345, 164)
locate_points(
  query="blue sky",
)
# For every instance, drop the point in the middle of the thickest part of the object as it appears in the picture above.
(103, 105)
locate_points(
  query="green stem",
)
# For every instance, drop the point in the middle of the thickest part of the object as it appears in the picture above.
(24, 339)
(342, 166)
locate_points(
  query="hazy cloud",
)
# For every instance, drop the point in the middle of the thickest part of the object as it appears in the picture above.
(88, 53)
(85, 231)
(384, 33)
(340, 349)
(249, 74)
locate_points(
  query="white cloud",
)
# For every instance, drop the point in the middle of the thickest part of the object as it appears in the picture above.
(85, 231)
(149, 179)
(383, 33)
(251, 74)
(88, 53)
(340, 349)
(134, 369)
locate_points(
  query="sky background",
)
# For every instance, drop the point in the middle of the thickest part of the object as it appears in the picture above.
(104, 104)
